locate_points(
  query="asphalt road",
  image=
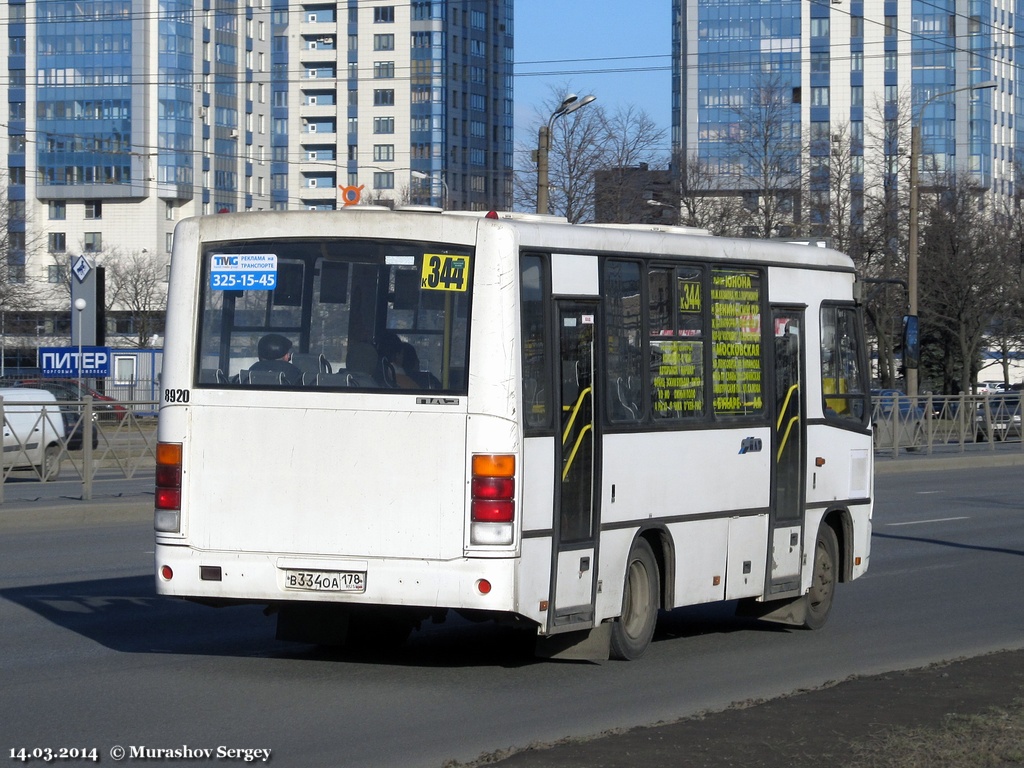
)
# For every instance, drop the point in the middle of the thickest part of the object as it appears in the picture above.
(93, 659)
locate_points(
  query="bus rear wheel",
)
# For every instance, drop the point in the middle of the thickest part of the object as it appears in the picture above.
(633, 630)
(823, 581)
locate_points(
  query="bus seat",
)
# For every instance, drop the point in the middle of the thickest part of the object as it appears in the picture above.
(310, 362)
(259, 378)
(306, 362)
(331, 379)
(627, 396)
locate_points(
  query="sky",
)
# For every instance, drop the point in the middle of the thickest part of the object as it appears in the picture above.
(621, 52)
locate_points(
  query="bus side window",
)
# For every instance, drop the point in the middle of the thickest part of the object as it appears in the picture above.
(535, 347)
(842, 386)
(623, 343)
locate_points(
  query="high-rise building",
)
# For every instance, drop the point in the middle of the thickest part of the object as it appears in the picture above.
(861, 71)
(123, 116)
(401, 102)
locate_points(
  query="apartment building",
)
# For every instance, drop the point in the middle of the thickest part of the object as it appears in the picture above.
(124, 116)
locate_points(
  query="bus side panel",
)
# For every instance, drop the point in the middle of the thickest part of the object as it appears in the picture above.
(534, 578)
(666, 474)
(684, 474)
(538, 484)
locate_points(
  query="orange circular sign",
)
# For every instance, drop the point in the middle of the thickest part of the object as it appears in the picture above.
(351, 195)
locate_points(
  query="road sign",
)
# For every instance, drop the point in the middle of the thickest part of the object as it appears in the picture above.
(81, 268)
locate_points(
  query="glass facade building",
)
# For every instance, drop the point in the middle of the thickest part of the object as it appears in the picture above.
(863, 69)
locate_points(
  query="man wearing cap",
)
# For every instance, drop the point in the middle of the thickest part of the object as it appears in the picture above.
(275, 352)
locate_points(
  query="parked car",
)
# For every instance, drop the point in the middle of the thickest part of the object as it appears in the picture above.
(33, 426)
(887, 399)
(69, 393)
(998, 417)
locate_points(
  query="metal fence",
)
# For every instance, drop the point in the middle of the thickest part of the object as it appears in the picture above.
(77, 440)
(931, 423)
(123, 440)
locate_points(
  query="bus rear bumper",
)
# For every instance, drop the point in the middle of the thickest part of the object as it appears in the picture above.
(463, 583)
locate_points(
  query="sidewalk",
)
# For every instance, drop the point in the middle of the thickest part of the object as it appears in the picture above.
(950, 457)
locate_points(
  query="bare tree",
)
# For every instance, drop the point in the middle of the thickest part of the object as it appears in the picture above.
(767, 149)
(830, 198)
(880, 254)
(631, 144)
(136, 285)
(576, 151)
(701, 203)
(18, 291)
(964, 258)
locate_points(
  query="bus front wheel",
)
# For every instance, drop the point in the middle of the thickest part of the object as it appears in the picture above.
(823, 581)
(633, 630)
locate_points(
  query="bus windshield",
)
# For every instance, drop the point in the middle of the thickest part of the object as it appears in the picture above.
(334, 313)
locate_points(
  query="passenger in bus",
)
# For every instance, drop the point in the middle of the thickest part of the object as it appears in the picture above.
(275, 353)
(396, 357)
(409, 360)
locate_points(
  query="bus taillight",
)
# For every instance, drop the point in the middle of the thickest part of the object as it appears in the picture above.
(168, 488)
(493, 499)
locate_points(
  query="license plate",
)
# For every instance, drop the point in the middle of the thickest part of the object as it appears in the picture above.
(325, 581)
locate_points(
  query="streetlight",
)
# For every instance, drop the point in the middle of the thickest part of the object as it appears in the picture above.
(915, 154)
(422, 176)
(569, 104)
(80, 307)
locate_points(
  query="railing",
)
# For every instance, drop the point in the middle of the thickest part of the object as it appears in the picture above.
(123, 441)
(931, 423)
(119, 443)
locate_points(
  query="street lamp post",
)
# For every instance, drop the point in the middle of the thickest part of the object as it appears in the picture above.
(569, 104)
(912, 244)
(423, 176)
(80, 307)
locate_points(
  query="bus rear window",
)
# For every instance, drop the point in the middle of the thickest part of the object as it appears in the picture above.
(335, 314)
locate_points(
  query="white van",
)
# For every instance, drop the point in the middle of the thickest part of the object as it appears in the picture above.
(33, 431)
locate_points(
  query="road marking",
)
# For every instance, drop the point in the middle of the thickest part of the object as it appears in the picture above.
(926, 493)
(936, 520)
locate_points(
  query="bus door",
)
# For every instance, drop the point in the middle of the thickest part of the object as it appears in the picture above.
(575, 529)
(788, 472)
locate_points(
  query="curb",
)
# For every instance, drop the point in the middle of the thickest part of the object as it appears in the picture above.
(102, 511)
(910, 463)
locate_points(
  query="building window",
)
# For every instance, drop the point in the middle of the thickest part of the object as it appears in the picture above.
(856, 26)
(58, 243)
(93, 242)
(819, 28)
(384, 180)
(819, 96)
(169, 241)
(890, 26)
(56, 273)
(384, 14)
(383, 97)
(58, 210)
(93, 209)
(383, 125)
(385, 152)
(383, 42)
(383, 70)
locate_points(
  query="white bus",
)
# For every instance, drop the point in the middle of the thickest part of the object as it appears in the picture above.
(508, 416)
